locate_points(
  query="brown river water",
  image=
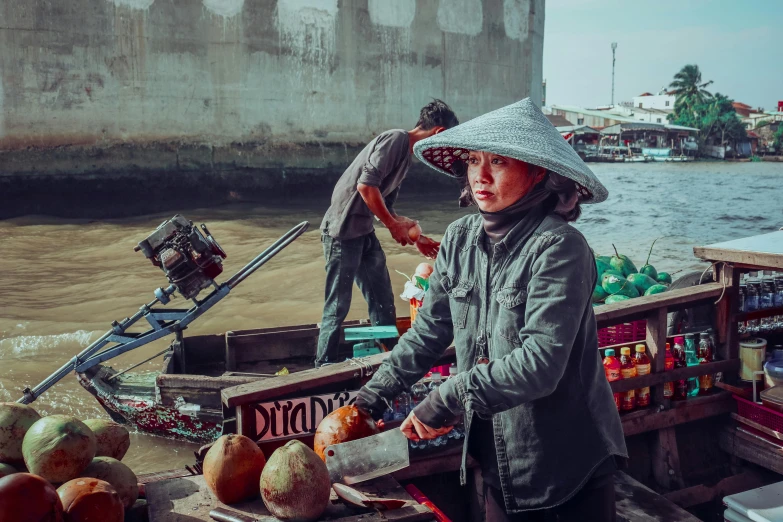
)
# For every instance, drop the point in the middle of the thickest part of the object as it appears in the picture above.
(64, 281)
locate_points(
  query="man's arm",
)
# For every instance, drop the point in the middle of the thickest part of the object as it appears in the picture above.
(398, 226)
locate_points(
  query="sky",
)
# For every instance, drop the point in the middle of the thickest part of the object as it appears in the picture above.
(739, 45)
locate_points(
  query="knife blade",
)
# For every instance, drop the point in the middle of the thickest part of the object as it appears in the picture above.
(368, 458)
(223, 515)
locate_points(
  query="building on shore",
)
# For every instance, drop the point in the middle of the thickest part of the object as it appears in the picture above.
(663, 101)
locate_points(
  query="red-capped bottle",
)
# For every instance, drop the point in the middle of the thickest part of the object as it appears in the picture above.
(612, 369)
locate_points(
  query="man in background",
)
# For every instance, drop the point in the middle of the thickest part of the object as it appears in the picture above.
(368, 188)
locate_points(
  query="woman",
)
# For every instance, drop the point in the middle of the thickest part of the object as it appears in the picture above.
(512, 288)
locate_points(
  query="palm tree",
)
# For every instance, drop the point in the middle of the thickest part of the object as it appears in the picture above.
(689, 88)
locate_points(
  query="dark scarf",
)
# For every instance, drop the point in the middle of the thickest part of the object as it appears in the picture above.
(498, 224)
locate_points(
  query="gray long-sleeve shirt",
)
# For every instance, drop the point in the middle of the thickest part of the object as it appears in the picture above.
(383, 163)
(528, 308)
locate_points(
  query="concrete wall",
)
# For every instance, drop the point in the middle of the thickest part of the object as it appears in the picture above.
(239, 94)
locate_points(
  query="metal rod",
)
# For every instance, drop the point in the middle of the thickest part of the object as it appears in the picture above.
(137, 365)
(268, 254)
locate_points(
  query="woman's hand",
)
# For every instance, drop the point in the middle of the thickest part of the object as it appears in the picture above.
(427, 247)
(416, 430)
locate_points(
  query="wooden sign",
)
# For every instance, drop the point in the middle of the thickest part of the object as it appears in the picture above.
(292, 417)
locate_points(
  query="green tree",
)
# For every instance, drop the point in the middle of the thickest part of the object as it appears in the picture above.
(719, 121)
(689, 89)
(778, 143)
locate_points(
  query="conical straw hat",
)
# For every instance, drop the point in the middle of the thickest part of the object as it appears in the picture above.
(519, 131)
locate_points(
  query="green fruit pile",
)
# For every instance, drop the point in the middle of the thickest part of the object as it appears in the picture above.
(619, 279)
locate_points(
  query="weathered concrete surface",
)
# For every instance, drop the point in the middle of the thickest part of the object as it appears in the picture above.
(215, 96)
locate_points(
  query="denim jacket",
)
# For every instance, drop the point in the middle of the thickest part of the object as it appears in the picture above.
(553, 414)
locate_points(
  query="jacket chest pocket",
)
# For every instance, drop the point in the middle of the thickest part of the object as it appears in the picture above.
(460, 292)
(511, 313)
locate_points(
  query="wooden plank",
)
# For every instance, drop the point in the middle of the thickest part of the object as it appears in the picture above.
(188, 499)
(633, 309)
(702, 494)
(231, 360)
(635, 502)
(727, 308)
(656, 348)
(666, 459)
(764, 251)
(674, 375)
(758, 314)
(752, 449)
(682, 411)
(302, 383)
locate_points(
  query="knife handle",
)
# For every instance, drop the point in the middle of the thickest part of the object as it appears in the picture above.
(223, 515)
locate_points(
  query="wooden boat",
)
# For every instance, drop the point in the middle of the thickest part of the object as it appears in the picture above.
(182, 400)
(685, 456)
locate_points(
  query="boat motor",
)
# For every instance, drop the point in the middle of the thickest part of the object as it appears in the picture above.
(191, 260)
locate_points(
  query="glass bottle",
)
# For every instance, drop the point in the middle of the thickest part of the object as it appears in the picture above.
(692, 359)
(705, 381)
(642, 363)
(680, 385)
(668, 387)
(628, 371)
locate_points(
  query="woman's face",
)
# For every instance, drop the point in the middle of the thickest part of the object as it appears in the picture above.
(497, 181)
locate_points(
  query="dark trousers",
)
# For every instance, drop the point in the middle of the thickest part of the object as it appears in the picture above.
(361, 260)
(594, 502)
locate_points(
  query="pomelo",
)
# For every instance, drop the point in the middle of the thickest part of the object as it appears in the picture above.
(295, 483)
(15, 420)
(58, 448)
(343, 425)
(90, 500)
(232, 468)
(112, 439)
(118, 475)
(25, 497)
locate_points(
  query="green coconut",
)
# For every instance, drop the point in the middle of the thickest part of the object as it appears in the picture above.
(295, 483)
(15, 420)
(118, 475)
(58, 448)
(112, 439)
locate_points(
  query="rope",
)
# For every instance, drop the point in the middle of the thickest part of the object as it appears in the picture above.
(365, 367)
(722, 279)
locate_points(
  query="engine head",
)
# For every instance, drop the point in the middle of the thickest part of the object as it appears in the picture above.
(190, 259)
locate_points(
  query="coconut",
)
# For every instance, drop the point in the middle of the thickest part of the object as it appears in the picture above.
(232, 468)
(118, 475)
(25, 497)
(295, 483)
(15, 420)
(7, 469)
(90, 500)
(343, 425)
(58, 448)
(113, 439)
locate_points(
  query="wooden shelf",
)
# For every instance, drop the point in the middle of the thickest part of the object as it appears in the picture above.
(654, 379)
(639, 308)
(758, 314)
(717, 403)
